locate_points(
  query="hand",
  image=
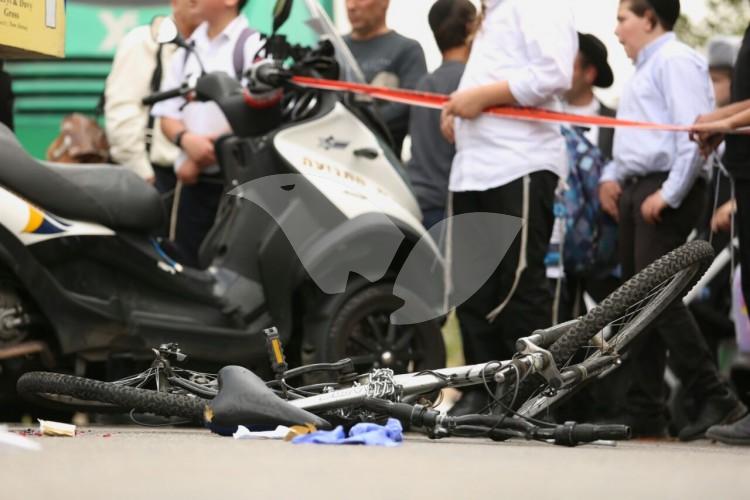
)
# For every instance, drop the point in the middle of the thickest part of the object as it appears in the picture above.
(199, 148)
(188, 172)
(467, 103)
(447, 125)
(609, 197)
(151, 180)
(709, 133)
(722, 219)
(651, 208)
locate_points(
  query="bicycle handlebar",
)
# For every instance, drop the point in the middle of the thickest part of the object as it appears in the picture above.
(572, 434)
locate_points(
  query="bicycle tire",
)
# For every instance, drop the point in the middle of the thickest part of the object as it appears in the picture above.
(39, 384)
(683, 265)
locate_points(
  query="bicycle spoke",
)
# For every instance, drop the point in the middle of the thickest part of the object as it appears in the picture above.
(364, 342)
(376, 330)
(392, 330)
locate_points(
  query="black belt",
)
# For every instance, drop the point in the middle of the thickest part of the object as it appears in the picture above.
(635, 179)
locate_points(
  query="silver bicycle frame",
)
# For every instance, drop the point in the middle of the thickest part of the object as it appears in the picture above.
(413, 384)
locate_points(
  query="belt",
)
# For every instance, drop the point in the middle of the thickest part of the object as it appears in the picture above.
(635, 179)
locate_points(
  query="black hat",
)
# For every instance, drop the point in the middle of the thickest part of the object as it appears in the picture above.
(668, 11)
(596, 53)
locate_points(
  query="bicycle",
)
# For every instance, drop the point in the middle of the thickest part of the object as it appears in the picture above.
(549, 366)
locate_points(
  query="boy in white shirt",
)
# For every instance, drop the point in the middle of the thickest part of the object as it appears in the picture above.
(656, 188)
(523, 54)
(194, 126)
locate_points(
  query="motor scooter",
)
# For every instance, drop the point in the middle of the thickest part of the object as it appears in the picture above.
(317, 220)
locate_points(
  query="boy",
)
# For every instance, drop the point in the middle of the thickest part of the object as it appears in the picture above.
(656, 187)
(194, 126)
(452, 22)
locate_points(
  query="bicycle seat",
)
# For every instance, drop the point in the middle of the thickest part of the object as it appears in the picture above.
(244, 399)
(106, 194)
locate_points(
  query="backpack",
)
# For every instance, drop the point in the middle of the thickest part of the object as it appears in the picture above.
(81, 140)
(590, 237)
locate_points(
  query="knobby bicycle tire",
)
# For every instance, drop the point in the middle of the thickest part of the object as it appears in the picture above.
(39, 384)
(684, 265)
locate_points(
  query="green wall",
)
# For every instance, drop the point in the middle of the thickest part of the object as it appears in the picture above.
(48, 90)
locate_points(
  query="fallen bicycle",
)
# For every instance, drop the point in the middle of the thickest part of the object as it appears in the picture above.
(549, 366)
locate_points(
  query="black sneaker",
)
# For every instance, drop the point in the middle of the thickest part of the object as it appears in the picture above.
(718, 410)
(737, 433)
(472, 401)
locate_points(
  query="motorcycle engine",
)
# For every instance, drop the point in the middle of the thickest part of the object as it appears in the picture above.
(13, 319)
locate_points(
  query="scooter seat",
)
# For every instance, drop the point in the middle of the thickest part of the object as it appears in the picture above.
(105, 194)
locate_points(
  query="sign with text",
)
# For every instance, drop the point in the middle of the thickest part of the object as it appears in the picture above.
(32, 28)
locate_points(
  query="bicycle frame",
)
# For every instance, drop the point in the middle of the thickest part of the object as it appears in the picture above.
(380, 384)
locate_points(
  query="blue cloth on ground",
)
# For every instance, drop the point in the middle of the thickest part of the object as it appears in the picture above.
(390, 434)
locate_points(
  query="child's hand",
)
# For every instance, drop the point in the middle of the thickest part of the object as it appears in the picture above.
(199, 148)
(609, 197)
(652, 208)
(188, 172)
(722, 219)
(467, 103)
(447, 123)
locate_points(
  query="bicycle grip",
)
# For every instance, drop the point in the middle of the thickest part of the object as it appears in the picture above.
(571, 434)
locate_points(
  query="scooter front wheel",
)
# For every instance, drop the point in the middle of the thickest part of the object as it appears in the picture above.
(356, 325)
(88, 395)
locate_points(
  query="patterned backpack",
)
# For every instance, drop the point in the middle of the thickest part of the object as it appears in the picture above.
(590, 245)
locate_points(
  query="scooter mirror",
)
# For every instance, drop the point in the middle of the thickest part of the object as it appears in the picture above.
(281, 12)
(168, 32)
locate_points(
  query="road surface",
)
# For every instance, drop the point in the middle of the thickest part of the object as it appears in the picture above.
(134, 463)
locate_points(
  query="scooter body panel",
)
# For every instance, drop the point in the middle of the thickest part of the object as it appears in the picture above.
(31, 224)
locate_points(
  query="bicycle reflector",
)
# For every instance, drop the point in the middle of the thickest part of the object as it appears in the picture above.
(275, 352)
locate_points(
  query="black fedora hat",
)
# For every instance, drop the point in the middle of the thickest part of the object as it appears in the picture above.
(596, 53)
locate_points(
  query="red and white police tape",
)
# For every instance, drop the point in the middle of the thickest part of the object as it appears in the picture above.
(436, 101)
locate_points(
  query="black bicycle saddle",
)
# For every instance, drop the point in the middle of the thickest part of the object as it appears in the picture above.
(244, 399)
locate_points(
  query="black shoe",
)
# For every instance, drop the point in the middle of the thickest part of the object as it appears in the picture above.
(718, 410)
(736, 433)
(472, 401)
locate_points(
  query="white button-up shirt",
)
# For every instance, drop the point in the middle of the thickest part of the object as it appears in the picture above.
(671, 85)
(126, 117)
(532, 44)
(205, 118)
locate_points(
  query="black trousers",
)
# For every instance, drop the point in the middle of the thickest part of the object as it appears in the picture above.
(676, 330)
(530, 308)
(742, 221)
(196, 214)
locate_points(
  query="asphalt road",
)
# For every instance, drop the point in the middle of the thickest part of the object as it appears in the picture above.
(134, 463)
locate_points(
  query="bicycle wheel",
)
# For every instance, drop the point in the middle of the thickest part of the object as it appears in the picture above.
(107, 397)
(625, 313)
